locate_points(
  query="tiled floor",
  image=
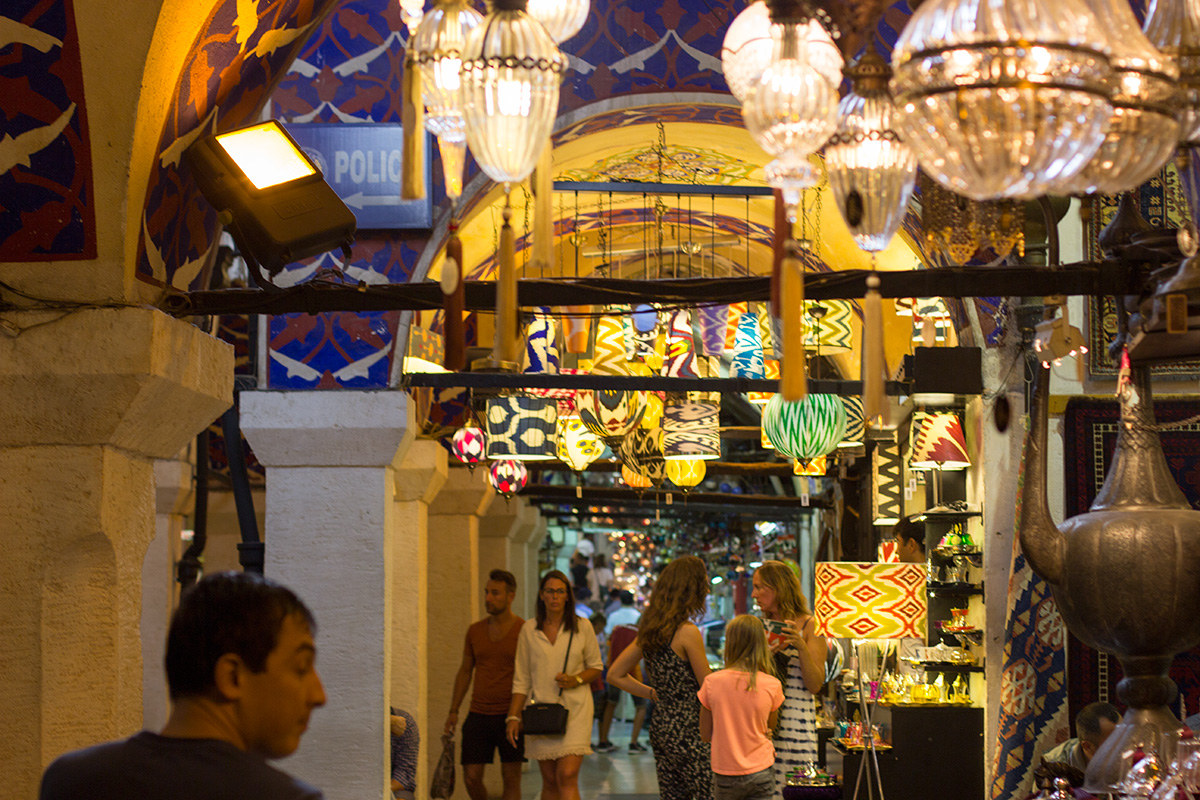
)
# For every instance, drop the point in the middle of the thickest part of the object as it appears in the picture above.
(619, 775)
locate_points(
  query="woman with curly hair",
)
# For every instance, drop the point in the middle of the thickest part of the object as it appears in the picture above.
(675, 666)
(800, 659)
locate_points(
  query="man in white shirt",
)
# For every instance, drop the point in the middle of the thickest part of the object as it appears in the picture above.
(625, 615)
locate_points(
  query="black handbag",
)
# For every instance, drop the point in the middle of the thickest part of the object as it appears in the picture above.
(547, 719)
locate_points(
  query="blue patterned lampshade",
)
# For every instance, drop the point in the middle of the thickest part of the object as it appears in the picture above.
(747, 348)
(522, 428)
(691, 429)
(541, 345)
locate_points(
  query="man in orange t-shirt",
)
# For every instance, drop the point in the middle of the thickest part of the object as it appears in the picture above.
(490, 651)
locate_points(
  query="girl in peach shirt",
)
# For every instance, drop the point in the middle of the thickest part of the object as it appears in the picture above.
(740, 707)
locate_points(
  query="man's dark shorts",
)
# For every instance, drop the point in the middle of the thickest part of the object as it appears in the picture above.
(614, 695)
(482, 734)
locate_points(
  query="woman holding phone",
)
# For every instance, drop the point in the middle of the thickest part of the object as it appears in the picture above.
(800, 655)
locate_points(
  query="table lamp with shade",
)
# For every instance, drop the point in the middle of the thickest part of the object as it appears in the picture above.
(938, 444)
(868, 602)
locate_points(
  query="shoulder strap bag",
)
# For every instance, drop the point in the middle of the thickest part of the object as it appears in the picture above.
(547, 719)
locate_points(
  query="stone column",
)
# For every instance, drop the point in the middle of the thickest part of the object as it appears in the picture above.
(419, 478)
(174, 485)
(452, 567)
(330, 505)
(529, 530)
(495, 530)
(88, 401)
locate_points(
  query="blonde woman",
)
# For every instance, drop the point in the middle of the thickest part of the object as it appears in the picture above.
(675, 666)
(740, 709)
(781, 600)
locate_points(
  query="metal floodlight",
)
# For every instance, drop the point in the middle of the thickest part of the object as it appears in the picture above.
(271, 196)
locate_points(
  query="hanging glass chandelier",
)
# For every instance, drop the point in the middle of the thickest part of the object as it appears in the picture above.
(791, 109)
(437, 47)
(871, 170)
(1002, 99)
(562, 18)
(1144, 127)
(411, 14)
(1173, 26)
(510, 75)
(749, 43)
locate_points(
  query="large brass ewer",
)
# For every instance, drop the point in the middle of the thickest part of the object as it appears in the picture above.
(1126, 574)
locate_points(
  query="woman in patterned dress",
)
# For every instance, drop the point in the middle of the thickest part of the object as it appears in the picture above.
(675, 666)
(556, 636)
(780, 598)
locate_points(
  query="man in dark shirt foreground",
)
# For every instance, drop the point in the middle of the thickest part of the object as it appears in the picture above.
(243, 681)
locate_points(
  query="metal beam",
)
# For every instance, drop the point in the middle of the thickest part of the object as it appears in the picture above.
(632, 383)
(631, 187)
(588, 496)
(1085, 278)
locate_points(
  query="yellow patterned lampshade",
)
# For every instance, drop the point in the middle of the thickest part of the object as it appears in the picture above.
(735, 311)
(870, 600)
(522, 428)
(771, 370)
(939, 442)
(608, 355)
(829, 332)
(633, 480)
(813, 468)
(686, 472)
(577, 446)
(652, 418)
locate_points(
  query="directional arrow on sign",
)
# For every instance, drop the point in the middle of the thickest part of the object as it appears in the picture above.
(360, 200)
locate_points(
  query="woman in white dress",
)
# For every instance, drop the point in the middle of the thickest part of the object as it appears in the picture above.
(556, 635)
(800, 660)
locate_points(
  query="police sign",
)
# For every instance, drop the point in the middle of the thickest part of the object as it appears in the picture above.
(363, 163)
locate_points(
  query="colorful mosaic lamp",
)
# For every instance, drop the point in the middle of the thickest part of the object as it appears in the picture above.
(691, 429)
(522, 428)
(887, 475)
(939, 442)
(508, 477)
(469, 444)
